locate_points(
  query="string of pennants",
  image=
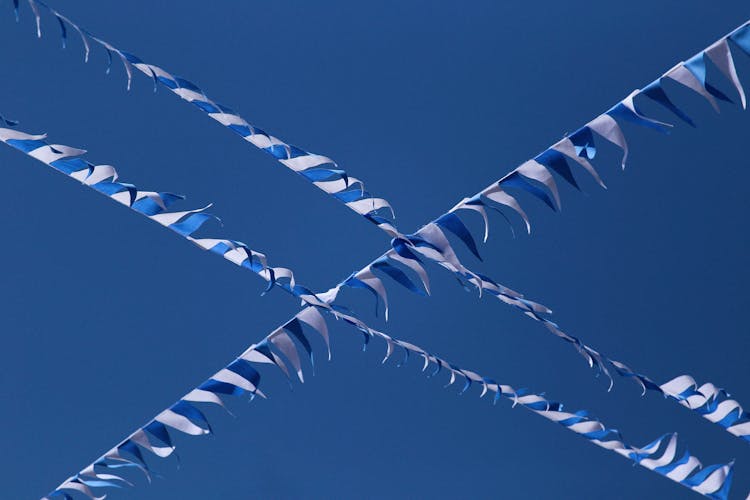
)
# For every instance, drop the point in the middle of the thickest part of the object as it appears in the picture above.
(292, 342)
(533, 177)
(708, 400)
(240, 377)
(105, 179)
(322, 171)
(430, 242)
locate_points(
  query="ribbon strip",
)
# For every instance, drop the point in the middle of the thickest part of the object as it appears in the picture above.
(290, 343)
(322, 171)
(104, 179)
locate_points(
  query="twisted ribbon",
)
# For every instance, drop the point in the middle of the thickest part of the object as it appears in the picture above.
(283, 344)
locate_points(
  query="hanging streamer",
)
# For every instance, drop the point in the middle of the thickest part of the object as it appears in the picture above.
(322, 171)
(104, 179)
(292, 341)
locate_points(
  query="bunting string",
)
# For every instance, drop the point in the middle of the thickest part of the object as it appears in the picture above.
(712, 403)
(292, 342)
(335, 182)
(240, 377)
(431, 242)
(322, 171)
(535, 177)
(104, 179)
(319, 169)
(340, 185)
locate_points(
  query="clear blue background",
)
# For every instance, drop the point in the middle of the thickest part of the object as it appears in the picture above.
(107, 318)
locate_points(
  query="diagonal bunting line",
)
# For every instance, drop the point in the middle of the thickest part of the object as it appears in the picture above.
(533, 177)
(241, 377)
(320, 170)
(282, 349)
(188, 91)
(154, 205)
(538, 173)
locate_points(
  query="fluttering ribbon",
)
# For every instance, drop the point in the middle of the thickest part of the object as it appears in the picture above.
(292, 342)
(154, 205)
(322, 171)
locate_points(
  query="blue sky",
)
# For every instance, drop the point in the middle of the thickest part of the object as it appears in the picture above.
(108, 319)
